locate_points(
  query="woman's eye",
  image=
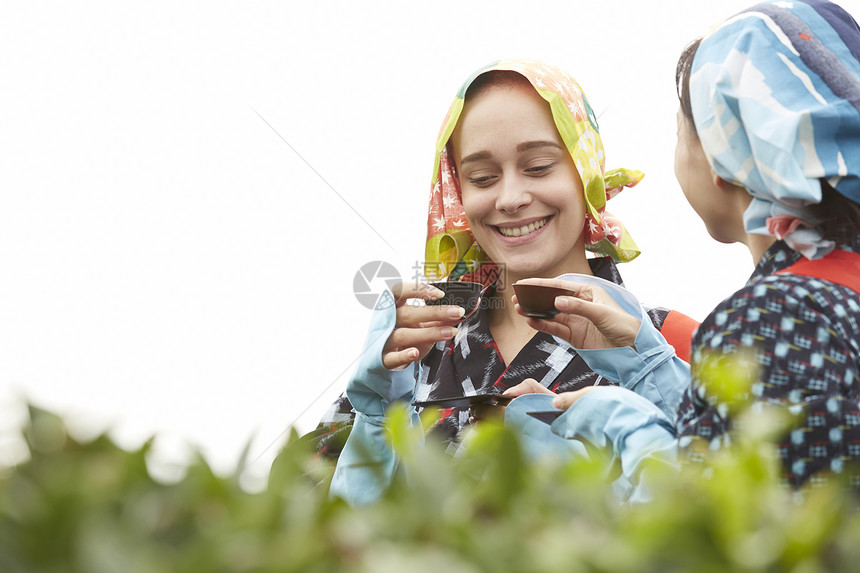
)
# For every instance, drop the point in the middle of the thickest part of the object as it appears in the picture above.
(539, 168)
(481, 180)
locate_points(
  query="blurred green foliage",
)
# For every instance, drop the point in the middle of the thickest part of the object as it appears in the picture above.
(93, 507)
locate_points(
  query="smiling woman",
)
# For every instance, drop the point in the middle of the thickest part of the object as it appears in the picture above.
(519, 191)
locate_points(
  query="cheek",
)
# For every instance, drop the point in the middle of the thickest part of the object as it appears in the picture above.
(682, 170)
(475, 203)
(576, 198)
(574, 203)
(679, 161)
(472, 211)
(580, 203)
(467, 201)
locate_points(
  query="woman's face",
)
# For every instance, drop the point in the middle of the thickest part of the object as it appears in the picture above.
(717, 209)
(522, 194)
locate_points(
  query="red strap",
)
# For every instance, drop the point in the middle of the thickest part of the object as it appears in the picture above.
(678, 329)
(840, 267)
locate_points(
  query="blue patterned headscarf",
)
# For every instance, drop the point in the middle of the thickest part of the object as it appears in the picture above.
(775, 92)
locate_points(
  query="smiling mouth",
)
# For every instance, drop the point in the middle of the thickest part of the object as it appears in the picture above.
(524, 230)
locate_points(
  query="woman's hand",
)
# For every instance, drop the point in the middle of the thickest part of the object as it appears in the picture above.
(527, 386)
(567, 399)
(561, 401)
(418, 328)
(589, 320)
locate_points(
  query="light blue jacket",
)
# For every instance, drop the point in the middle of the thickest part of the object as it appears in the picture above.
(624, 425)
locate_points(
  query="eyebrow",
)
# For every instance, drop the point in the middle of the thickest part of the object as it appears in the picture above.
(479, 156)
(524, 146)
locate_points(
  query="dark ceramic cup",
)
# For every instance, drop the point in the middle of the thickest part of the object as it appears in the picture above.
(538, 301)
(460, 293)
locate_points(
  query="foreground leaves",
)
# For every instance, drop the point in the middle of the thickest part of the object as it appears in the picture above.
(93, 507)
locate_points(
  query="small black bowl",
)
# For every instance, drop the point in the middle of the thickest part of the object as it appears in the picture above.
(467, 401)
(538, 301)
(460, 293)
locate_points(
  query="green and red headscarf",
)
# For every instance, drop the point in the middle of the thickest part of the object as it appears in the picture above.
(451, 249)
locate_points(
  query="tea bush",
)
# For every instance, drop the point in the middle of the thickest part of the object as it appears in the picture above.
(93, 507)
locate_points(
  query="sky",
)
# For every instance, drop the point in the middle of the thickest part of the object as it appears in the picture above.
(188, 189)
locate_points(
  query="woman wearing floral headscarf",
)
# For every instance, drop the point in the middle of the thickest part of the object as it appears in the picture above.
(768, 155)
(518, 190)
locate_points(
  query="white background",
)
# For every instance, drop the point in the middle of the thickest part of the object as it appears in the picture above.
(170, 266)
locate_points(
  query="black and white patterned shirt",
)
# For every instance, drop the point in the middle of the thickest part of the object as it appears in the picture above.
(471, 364)
(803, 334)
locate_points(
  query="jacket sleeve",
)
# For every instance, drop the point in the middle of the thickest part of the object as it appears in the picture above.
(367, 464)
(628, 431)
(652, 369)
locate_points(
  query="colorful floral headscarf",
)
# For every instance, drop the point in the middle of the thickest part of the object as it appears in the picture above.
(451, 249)
(775, 92)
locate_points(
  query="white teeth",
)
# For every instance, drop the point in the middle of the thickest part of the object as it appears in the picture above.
(524, 230)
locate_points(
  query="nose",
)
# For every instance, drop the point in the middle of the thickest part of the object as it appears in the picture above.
(513, 194)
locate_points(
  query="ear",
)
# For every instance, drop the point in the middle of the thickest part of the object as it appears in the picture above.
(719, 181)
(731, 191)
(724, 185)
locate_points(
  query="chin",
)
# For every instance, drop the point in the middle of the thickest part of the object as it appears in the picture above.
(720, 238)
(530, 270)
(520, 270)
